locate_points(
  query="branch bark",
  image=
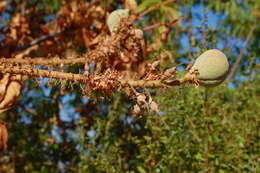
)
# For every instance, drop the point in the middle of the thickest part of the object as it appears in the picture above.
(42, 61)
(33, 72)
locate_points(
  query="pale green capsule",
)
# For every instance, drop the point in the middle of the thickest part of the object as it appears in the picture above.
(115, 17)
(212, 66)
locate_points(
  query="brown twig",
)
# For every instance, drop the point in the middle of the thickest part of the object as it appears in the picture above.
(242, 51)
(38, 41)
(150, 27)
(143, 83)
(33, 72)
(27, 51)
(43, 61)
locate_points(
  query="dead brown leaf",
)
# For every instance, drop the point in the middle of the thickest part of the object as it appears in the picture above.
(10, 89)
(3, 136)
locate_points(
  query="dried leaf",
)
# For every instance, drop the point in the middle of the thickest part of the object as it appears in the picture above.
(141, 99)
(51, 140)
(3, 84)
(136, 109)
(3, 136)
(155, 64)
(170, 72)
(154, 107)
(12, 86)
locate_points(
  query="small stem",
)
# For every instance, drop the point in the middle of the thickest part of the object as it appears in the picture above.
(207, 127)
(38, 40)
(33, 72)
(143, 83)
(150, 27)
(42, 61)
(157, 6)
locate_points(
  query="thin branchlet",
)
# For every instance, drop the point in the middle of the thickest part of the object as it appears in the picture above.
(43, 61)
(34, 72)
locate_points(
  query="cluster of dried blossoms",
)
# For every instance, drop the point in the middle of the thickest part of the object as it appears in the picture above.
(114, 62)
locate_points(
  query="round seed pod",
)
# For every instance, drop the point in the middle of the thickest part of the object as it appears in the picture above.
(115, 17)
(212, 67)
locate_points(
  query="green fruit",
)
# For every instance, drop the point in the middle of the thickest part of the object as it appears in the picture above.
(115, 17)
(212, 66)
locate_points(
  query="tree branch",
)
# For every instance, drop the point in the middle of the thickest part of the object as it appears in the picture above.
(242, 51)
(33, 72)
(38, 40)
(143, 83)
(43, 61)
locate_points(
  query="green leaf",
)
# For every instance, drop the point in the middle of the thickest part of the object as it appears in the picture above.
(198, 156)
(148, 138)
(141, 169)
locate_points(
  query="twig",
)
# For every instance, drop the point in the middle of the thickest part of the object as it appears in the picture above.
(27, 51)
(143, 83)
(43, 61)
(37, 41)
(207, 128)
(156, 25)
(242, 51)
(155, 7)
(33, 72)
(190, 45)
(150, 27)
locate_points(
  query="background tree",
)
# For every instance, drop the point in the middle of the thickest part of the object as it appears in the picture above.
(106, 117)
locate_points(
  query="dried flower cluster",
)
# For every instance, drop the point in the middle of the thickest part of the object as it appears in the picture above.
(123, 51)
(105, 83)
(115, 61)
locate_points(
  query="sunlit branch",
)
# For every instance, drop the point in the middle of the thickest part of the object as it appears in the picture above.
(33, 72)
(43, 61)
